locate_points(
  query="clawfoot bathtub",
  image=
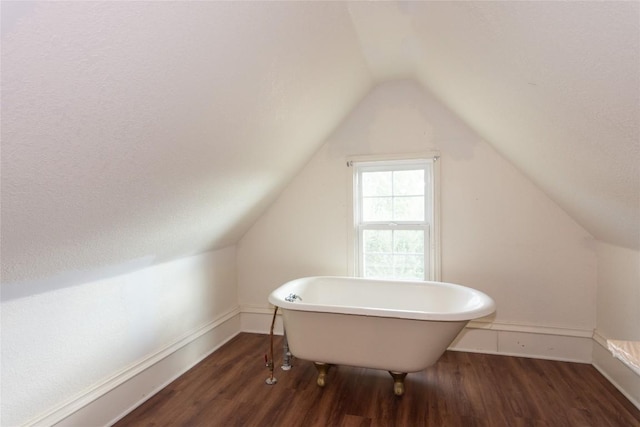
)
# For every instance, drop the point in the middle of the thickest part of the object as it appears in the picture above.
(397, 326)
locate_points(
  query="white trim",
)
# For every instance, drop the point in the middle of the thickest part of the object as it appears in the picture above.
(600, 339)
(215, 334)
(525, 340)
(436, 248)
(530, 329)
(430, 155)
(617, 373)
(431, 226)
(353, 257)
(257, 309)
(257, 319)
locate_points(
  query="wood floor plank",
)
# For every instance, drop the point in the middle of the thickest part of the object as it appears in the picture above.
(462, 389)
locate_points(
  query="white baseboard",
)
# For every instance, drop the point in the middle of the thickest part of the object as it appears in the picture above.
(618, 374)
(513, 339)
(257, 320)
(108, 401)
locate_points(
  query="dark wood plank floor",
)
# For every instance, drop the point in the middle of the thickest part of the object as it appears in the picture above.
(462, 389)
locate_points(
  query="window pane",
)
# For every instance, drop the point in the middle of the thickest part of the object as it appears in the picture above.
(376, 184)
(393, 200)
(408, 241)
(380, 241)
(378, 265)
(409, 266)
(408, 183)
(389, 254)
(408, 208)
(377, 209)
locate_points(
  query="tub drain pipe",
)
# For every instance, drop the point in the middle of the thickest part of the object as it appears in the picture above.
(286, 354)
(271, 380)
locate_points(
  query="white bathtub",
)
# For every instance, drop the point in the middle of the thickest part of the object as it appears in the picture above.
(396, 326)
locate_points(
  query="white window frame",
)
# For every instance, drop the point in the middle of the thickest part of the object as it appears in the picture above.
(432, 199)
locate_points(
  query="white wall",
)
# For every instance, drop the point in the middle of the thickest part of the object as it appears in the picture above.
(618, 305)
(500, 233)
(618, 313)
(60, 348)
(159, 127)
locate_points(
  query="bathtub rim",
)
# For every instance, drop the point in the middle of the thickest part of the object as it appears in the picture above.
(485, 307)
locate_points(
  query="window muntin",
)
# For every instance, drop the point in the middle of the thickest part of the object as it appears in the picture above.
(393, 215)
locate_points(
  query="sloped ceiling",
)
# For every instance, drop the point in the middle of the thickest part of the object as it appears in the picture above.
(136, 132)
(152, 130)
(553, 86)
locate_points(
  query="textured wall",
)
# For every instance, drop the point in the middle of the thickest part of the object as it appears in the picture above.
(618, 293)
(56, 345)
(500, 233)
(138, 132)
(553, 86)
(154, 130)
(618, 314)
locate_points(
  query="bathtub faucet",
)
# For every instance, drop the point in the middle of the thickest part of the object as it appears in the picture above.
(292, 297)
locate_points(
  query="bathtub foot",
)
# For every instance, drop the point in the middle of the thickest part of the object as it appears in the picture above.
(322, 368)
(398, 382)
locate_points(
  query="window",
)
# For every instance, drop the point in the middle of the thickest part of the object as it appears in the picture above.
(394, 216)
